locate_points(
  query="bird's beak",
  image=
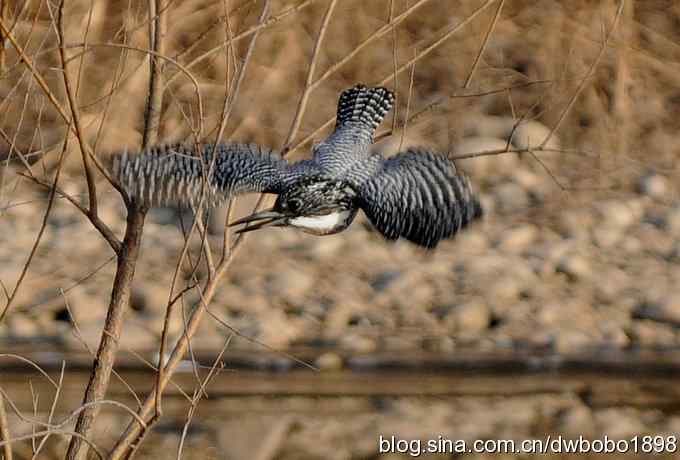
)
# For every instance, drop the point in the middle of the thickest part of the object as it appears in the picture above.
(262, 219)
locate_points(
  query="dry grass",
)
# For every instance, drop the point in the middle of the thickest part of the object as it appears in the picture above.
(603, 78)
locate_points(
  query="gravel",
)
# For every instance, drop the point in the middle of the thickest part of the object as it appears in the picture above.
(565, 275)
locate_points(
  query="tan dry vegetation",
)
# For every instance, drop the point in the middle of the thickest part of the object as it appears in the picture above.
(507, 283)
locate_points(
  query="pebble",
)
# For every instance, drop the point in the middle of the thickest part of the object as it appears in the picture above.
(22, 326)
(511, 198)
(610, 291)
(470, 318)
(619, 423)
(137, 335)
(672, 220)
(292, 284)
(518, 239)
(575, 224)
(576, 267)
(617, 214)
(505, 289)
(536, 185)
(571, 340)
(665, 310)
(357, 343)
(149, 298)
(606, 238)
(654, 186)
(329, 361)
(531, 134)
(576, 420)
(648, 333)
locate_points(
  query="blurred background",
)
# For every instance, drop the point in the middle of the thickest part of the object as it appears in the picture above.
(556, 314)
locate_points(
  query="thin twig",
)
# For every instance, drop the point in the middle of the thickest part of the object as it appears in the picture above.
(65, 433)
(4, 6)
(103, 229)
(79, 336)
(373, 37)
(408, 105)
(302, 103)
(184, 70)
(38, 238)
(28, 62)
(238, 333)
(33, 364)
(485, 42)
(197, 396)
(135, 433)
(591, 72)
(50, 416)
(403, 67)
(395, 64)
(228, 102)
(75, 117)
(4, 429)
(247, 33)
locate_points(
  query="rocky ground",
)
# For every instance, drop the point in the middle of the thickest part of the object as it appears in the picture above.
(545, 269)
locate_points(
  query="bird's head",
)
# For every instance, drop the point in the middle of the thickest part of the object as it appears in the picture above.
(316, 206)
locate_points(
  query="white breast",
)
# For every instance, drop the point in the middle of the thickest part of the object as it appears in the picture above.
(327, 221)
(322, 225)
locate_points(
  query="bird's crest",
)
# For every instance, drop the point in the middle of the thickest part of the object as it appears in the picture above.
(364, 106)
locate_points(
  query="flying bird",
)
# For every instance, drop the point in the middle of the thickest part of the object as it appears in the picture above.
(416, 194)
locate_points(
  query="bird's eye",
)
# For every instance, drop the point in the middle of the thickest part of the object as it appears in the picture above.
(294, 205)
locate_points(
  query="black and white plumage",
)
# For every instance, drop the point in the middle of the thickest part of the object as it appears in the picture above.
(417, 194)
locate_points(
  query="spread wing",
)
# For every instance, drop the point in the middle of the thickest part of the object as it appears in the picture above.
(175, 173)
(418, 195)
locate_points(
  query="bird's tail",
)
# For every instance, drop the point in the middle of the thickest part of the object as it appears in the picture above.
(364, 106)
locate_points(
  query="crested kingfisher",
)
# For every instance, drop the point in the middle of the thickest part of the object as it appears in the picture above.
(416, 194)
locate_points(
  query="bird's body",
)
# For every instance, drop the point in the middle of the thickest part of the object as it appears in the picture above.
(416, 194)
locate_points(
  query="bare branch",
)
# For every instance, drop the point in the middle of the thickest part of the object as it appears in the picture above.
(374, 36)
(134, 434)
(4, 6)
(302, 104)
(4, 426)
(247, 33)
(152, 116)
(403, 67)
(591, 72)
(197, 396)
(485, 42)
(38, 238)
(75, 116)
(120, 296)
(103, 229)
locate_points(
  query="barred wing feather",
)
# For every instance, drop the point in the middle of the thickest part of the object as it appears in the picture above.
(174, 173)
(418, 195)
